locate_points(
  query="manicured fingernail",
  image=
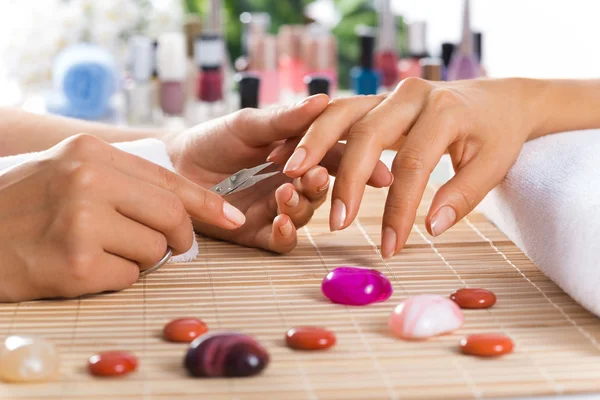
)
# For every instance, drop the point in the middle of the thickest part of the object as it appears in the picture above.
(234, 215)
(296, 160)
(294, 200)
(338, 215)
(391, 179)
(286, 229)
(307, 100)
(275, 152)
(325, 186)
(442, 220)
(388, 242)
(323, 178)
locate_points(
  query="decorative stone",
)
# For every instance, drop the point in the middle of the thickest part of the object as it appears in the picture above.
(184, 330)
(28, 359)
(112, 363)
(225, 355)
(473, 298)
(424, 316)
(486, 345)
(356, 286)
(309, 338)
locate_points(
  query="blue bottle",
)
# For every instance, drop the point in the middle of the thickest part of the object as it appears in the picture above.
(365, 79)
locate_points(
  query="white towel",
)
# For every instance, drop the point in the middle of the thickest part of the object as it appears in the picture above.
(151, 149)
(549, 205)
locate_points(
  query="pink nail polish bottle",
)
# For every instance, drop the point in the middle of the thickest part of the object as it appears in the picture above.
(464, 63)
(319, 51)
(386, 56)
(417, 48)
(252, 24)
(171, 66)
(291, 64)
(262, 57)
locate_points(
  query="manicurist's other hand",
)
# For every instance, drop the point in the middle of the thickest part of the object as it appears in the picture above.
(276, 207)
(85, 217)
(482, 124)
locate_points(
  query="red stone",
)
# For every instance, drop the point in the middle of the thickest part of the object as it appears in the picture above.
(184, 330)
(473, 298)
(486, 345)
(309, 338)
(112, 363)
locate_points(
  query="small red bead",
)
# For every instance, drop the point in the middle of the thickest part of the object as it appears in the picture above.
(112, 363)
(184, 330)
(486, 345)
(309, 338)
(473, 298)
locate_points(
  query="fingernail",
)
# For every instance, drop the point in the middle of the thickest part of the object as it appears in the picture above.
(234, 215)
(294, 200)
(324, 185)
(388, 242)
(286, 229)
(307, 100)
(442, 220)
(338, 215)
(275, 152)
(296, 160)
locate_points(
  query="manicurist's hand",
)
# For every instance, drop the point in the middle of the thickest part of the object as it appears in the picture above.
(482, 124)
(85, 217)
(276, 207)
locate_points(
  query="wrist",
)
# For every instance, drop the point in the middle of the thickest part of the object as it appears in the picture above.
(531, 94)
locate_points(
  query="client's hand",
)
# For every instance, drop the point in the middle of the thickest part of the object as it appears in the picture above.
(276, 207)
(84, 217)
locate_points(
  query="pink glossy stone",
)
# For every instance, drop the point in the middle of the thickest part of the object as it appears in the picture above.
(424, 316)
(356, 286)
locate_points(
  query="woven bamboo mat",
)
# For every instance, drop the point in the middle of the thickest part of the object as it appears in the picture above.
(261, 294)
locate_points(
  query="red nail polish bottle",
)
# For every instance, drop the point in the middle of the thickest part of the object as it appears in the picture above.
(209, 52)
(386, 56)
(171, 66)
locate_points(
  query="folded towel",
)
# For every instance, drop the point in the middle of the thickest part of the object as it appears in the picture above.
(150, 149)
(549, 205)
(85, 78)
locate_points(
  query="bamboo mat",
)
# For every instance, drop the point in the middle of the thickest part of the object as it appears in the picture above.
(261, 294)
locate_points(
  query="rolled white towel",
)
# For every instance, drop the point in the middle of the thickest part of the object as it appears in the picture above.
(150, 149)
(549, 205)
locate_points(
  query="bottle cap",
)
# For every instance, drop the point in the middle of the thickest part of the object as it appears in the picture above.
(320, 51)
(209, 50)
(192, 28)
(289, 40)
(417, 39)
(478, 43)
(248, 86)
(154, 63)
(367, 45)
(317, 84)
(431, 68)
(447, 51)
(171, 57)
(263, 53)
(141, 53)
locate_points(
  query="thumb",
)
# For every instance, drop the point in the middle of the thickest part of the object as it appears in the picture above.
(461, 194)
(262, 127)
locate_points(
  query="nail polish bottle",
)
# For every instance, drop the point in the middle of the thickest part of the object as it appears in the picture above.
(252, 24)
(447, 52)
(319, 51)
(139, 93)
(317, 84)
(262, 59)
(290, 62)
(464, 64)
(386, 56)
(431, 68)
(172, 65)
(249, 86)
(417, 47)
(478, 47)
(365, 79)
(209, 57)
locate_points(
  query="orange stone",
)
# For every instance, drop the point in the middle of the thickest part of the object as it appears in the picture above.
(309, 338)
(473, 298)
(184, 330)
(486, 345)
(112, 363)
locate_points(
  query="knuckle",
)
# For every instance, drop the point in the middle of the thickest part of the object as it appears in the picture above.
(243, 115)
(363, 131)
(468, 196)
(442, 98)
(408, 160)
(83, 176)
(410, 84)
(168, 179)
(83, 146)
(176, 212)
(79, 221)
(80, 264)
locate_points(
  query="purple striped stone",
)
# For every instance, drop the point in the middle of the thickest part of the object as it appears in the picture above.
(225, 355)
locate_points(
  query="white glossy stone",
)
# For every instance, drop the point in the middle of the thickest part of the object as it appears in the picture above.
(424, 316)
(28, 359)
